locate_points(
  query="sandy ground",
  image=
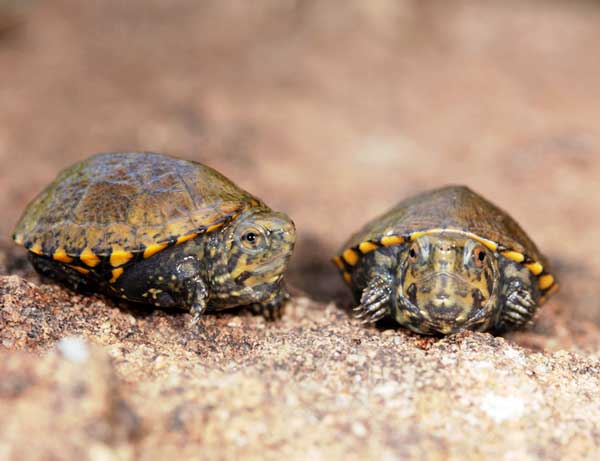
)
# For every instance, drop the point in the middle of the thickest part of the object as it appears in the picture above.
(331, 112)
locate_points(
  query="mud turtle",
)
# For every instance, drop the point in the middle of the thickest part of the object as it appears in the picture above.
(154, 229)
(444, 261)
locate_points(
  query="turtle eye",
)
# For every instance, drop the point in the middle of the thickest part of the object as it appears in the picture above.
(253, 239)
(479, 256)
(413, 253)
(249, 237)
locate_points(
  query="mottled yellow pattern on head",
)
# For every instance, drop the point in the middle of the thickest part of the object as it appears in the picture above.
(490, 245)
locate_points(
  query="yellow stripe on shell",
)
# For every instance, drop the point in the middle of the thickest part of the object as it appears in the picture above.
(36, 248)
(214, 227)
(366, 247)
(490, 245)
(350, 256)
(535, 268)
(81, 270)
(347, 277)
(119, 256)
(116, 273)
(514, 256)
(89, 258)
(153, 249)
(61, 255)
(545, 281)
(185, 238)
(390, 240)
(338, 262)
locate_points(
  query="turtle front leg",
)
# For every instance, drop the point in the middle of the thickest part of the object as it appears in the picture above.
(375, 301)
(519, 305)
(272, 308)
(197, 297)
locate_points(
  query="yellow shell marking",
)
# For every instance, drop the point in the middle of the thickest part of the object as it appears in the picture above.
(492, 246)
(514, 256)
(36, 248)
(389, 240)
(347, 277)
(89, 258)
(185, 238)
(545, 281)
(119, 256)
(116, 273)
(81, 270)
(338, 262)
(367, 247)
(350, 256)
(535, 268)
(153, 249)
(61, 255)
(214, 227)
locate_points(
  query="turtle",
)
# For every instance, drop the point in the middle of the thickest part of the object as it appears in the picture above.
(445, 261)
(154, 229)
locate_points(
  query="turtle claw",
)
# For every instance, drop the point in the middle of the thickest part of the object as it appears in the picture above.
(374, 301)
(272, 310)
(519, 306)
(197, 310)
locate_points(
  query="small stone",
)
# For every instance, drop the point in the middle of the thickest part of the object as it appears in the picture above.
(74, 349)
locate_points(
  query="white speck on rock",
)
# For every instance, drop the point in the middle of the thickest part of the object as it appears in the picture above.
(74, 349)
(515, 355)
(359, 429)
(501, 408)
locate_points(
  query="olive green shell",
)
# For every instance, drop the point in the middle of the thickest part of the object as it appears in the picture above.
(120, 204)
(451, 208)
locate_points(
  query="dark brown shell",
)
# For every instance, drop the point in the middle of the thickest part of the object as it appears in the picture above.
(450, 208)
(120, 204)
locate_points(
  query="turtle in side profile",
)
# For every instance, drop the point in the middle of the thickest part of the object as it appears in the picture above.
(445, 261)
(155, 229)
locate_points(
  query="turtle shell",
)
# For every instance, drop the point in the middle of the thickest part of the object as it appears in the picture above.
(452, 208)
(114, 207)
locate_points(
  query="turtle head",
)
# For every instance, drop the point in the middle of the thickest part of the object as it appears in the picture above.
(448, 283)
(260, 244)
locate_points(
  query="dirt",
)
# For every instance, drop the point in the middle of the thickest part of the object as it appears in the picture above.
(332, 113)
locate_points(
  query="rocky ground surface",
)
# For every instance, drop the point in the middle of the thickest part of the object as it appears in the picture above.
(331, 113)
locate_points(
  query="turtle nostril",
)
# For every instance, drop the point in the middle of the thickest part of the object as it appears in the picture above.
(478, 297)
(412, 293)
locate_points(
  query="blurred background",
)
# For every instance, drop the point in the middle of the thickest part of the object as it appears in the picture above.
(331, 111)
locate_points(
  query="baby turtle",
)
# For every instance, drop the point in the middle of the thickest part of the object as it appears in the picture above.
(155, 229)
(445, 261)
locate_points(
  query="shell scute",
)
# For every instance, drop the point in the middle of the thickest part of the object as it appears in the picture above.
(129, 201)
(455, 209)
